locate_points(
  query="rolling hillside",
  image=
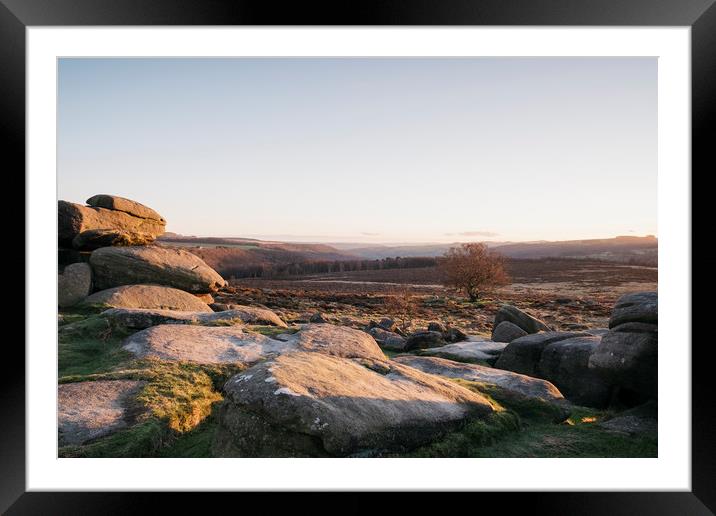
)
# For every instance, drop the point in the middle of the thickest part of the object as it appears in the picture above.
(243, 257)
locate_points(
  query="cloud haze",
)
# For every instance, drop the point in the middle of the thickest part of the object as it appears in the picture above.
(474, 234)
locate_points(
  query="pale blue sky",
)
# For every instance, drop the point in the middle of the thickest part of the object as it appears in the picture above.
(369, 149)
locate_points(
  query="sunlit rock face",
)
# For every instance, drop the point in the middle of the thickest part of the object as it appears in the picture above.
(90, 410)
(310, 404)
(115, 266)
(74, 219)
(156, 297)
(203, 344)
(512, 387)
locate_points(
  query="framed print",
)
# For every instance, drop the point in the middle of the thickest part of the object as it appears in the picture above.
(395, 249)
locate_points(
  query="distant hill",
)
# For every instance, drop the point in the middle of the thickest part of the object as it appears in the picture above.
(247, 257)
(377, 252)
(620, 248)
(242, 256)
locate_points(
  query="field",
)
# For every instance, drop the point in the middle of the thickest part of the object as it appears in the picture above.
(181, 400)
(568, 294)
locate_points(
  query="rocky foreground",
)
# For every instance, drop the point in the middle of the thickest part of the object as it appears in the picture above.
(151, 365)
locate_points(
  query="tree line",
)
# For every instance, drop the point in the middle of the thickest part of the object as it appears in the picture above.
(272, 270)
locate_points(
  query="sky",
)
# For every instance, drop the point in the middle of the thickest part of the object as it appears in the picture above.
(367, 149)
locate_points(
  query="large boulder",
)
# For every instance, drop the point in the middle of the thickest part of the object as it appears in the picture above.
(509, 386)
(147, 296)
(92, 239)
(527, 322)
(423, 340)
(507, 332)
(114, 266)
(522, 355)
(231, 344)
(73, 219)
(203, 344)
(337, 340)
(639, 307)
(305, 404)
(387, 339)
(565, 363)
(479, 351)
(90, 410)
(627, 356)
(73, 284)
(114, 202)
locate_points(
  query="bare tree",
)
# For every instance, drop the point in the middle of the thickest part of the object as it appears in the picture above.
(402, 306)
(474, 269)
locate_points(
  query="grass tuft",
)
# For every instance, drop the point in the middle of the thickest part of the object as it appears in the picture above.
(90, 345)
(472, 437)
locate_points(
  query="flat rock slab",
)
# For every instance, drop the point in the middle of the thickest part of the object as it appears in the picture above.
(256, 315)
(114, 202)
(203, 344)
(476, 338)
(115, 266)
(89, 410)
(468, 351)
(518, 383)
(305, 404)
(141, 318)
(148, 296)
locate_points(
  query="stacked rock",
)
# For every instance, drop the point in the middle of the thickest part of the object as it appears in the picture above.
(107, 245)
(627, 354)
(107, 220)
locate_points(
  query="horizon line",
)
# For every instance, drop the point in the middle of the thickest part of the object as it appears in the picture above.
(332, 240)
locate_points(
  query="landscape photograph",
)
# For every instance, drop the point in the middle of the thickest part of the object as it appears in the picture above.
(357, 257)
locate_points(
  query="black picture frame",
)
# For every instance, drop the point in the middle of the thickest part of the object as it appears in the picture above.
(700, 15)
